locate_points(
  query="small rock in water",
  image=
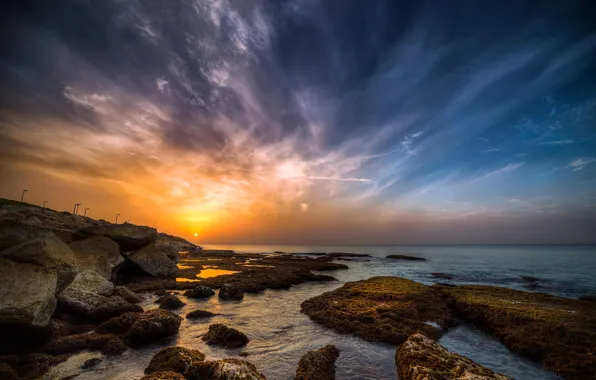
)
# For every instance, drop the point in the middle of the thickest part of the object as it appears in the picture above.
(163, 375)
(174, 359)
(224, 336)
(318, 365)
(171, 302)
(230, 292)
(198, 314)
(90, 363)
(114, 347)
(200, 291)
(226, 369)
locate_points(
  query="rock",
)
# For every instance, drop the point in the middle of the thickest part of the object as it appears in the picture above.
(199, 314)
(318, 365)
(174, 359)
(26, 293)
(127, 295)
(345, 254)
(128, 236)
(422, 358)
(200, 291)
(7, 372)
(224, 336)
(152, 326)
(230, 292)
(163, 375)
(78, 342)
(33, 220)
(559, 332)
(384, 309)
(114, 347)
(405, 257)
(94, 306)
(226, 369)
(152, 261)
(90, 363)
(171, 302)
(98, 253)
(530, 279)
(91, 281)
(47, 252)
(443, 276)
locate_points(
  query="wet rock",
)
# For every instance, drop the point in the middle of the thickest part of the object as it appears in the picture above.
(318, 365)
(127, 295)
(90, 363)
(443, 276)
(151, 327)
(171, 302)
(200, 291)
(26, 293)
(120, 324)
(93, 306)
(99, 254)
(224, 336)
(346, 254)
(153, 261)
(114, 347)
(174, 359)
(385, 309)
(163, 375)
(199, 314)
(226, 369)
(406, 257)
(559, 332)
(91, 281)
(47, 252)
(78, 342)
(422, 358)
(128, 236)
(230, 292)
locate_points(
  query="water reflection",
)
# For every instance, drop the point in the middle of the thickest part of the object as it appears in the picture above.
(208, 273)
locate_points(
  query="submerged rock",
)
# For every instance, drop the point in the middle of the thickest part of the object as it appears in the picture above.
(406, 257)
(163, 375)
(171, 302)
(226, 369)
(385, 309)
(91, 281)
(128, 236)
(560, 332)
(224, 336)
(98, 253)
(200, 291)
(94, 306)
(421, 358)
(114, 347)
(443, 276)
(153, 261)
(90, 363)
(318, 365)
(345, 254)
(174, 359)
(230, 292)
(198, 314)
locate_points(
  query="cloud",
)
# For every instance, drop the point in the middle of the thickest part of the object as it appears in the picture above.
(580, 163)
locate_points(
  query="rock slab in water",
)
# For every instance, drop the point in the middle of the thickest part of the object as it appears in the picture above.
(170, 302)
(199, 314)
(98, 253)
(230, 292)
(420, 358)
(226, 369)
(318, 365)
(26, 293)
(384, 309)
(128, 236)
(153, 261)
(224, 336)
(200, 291)
(174, 359)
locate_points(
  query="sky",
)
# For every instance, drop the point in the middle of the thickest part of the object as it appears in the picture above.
(306, 121)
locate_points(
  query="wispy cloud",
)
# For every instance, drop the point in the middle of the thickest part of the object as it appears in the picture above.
(581, 162)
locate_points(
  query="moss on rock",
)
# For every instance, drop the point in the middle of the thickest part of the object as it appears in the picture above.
(318, 365)
(174, 359)
(163, 375)
(224, 336)
(226, 369)
(199, 314)
(78, 342)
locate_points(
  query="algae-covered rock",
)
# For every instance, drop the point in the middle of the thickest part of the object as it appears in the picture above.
(420, 358)
(200, 291)
(224, 336)
(114, 347)
(127, 295)
(230, 292)
(174, 359)
(226, 369)
(171, 302)
(318, 365)
(98, 253)
(385, 309)
(199, 314)
(560, 332)
(163, 375)
(152, 326)
(78, 342)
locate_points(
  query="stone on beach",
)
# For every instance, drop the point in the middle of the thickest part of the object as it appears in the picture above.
(127, 295)
(171, 302)
(199, 314)
(421, 358)
(153, 261)
(163, 375)
(128, 236)
(318, 364)
(98, 253)
(406, 257)
(91, 281)
(230, 292)
(152, 326)
(78, 342)
(174, 359)
(200, 291)
(226, 369)
(93, 306)
(224, 336)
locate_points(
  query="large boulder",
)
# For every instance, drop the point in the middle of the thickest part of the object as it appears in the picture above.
(318, 365)
(226, 369)
(48, 252)
(200, 291)
(174, 359)
(27, 293)
(153, 261)
(420, 358)
(98, 253)
(224, 336)
(91, 281)
(128, 236)
(93, 306)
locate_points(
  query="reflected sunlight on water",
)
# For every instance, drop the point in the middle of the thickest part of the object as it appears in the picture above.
(208, 273)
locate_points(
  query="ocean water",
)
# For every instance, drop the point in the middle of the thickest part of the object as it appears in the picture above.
(279, 334)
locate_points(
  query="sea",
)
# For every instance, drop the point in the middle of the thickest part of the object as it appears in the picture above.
(279, 334)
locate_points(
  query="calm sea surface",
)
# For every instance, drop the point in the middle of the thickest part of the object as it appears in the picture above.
(279, 334)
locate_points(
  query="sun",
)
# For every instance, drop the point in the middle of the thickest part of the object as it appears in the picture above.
(196, 234)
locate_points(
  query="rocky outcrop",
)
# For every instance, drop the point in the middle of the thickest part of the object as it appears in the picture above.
(420, 358)
(94, 307)
(406, 257)
(128, 236)
(200, 291)
(163, 375)
(385, 309)
(27, 293)
(174, 359)
(224, 336)
(153, 261)
(200, 314)
(47, 252)
(78, 342)
(226, 369)
(127, 295)
(230, 292)
(99, 254)
(91, 281)
(171, 302)
(318, 365)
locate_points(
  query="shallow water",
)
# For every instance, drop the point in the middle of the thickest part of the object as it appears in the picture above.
(280, 334)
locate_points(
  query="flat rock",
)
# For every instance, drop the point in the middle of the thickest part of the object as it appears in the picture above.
(420, 358)
(318, 364)
(153, 261)
(128, 236)
(230, 292)
(347, 254)
(93, 306)
(91, 281)
(174, 359)
(200, 291)
(27, 293)
(98, 253)
(406, 257)
(385, 309)
(224, 336)
(226, 369)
